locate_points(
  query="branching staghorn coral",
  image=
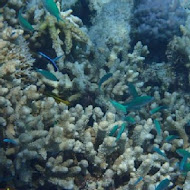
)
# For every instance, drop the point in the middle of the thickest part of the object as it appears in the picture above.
(71, 147)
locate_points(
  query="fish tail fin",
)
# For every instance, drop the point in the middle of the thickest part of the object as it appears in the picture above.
(60, 19)
(55, 59)
(126, 109)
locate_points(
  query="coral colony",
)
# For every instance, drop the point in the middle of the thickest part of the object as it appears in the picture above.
(82, 105)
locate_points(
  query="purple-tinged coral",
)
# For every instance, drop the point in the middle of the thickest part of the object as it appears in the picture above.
(158, 21)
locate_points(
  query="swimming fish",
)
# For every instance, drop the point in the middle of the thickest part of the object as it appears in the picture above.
(130, 119)
(186, 167)
(159, 152)
(23, 22)
(57, 98)
(104, 78)
(133, 90)
(113, 130)
(171, 137)
(157, 109)
(138, 180)
(121, 130)
(51, 7)
(47, 74)
(163, 184)
(157, 126)
(185, 154)
(11, 141)
(52, 61)
(118, 106)
(138, 102)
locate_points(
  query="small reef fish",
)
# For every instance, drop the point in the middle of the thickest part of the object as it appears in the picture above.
(51, 7)
(24, 23)
(171, 138)
(138, 181)
(138, 102)
(52, 61)
(130, 119)
(132, 90)
(47, 74)
(157, 109)
(121, 130)
(11, 141)
(157, 126)
(186, 167)
(134, 104)
(58, 99)
(160, 152)
(113, 130)
(185, 154)
(163, 184)
(104, 78)
(118, 106)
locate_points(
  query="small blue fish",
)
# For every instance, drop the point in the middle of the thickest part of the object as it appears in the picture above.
(157, 109)
(171, 138)
(138, 102)
(157, 127)
(23, 22)
(138, 180)
(118, 106)
(186, 167)
(160, 152)
(120, 132)
(163, 184)
(114, 129)
(47, 74)
(51, 7)
(11, 141)
(185, 154)
(104, 78)
(133, 90)
(130, 119)
(52, 61)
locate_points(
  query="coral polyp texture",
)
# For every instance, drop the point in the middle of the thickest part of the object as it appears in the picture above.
(81, 109)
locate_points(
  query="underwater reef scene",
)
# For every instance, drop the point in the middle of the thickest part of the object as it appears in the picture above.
(94, 95)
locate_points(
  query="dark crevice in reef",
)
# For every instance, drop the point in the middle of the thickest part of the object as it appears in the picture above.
(81, 9)
(121, 180)
(153, 171)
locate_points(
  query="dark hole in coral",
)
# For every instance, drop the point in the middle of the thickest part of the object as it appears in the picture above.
(79, 156)
(88, 98)
(95, 171)
(80, 181)
(153, 170)
(153, 132)
(121, 180)
(81, 10)
(146, 144)
(137, 163)
(3, 3)
(91, 121)
(106, 68)
(111, 159)
(187, 129)
(131, 130)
